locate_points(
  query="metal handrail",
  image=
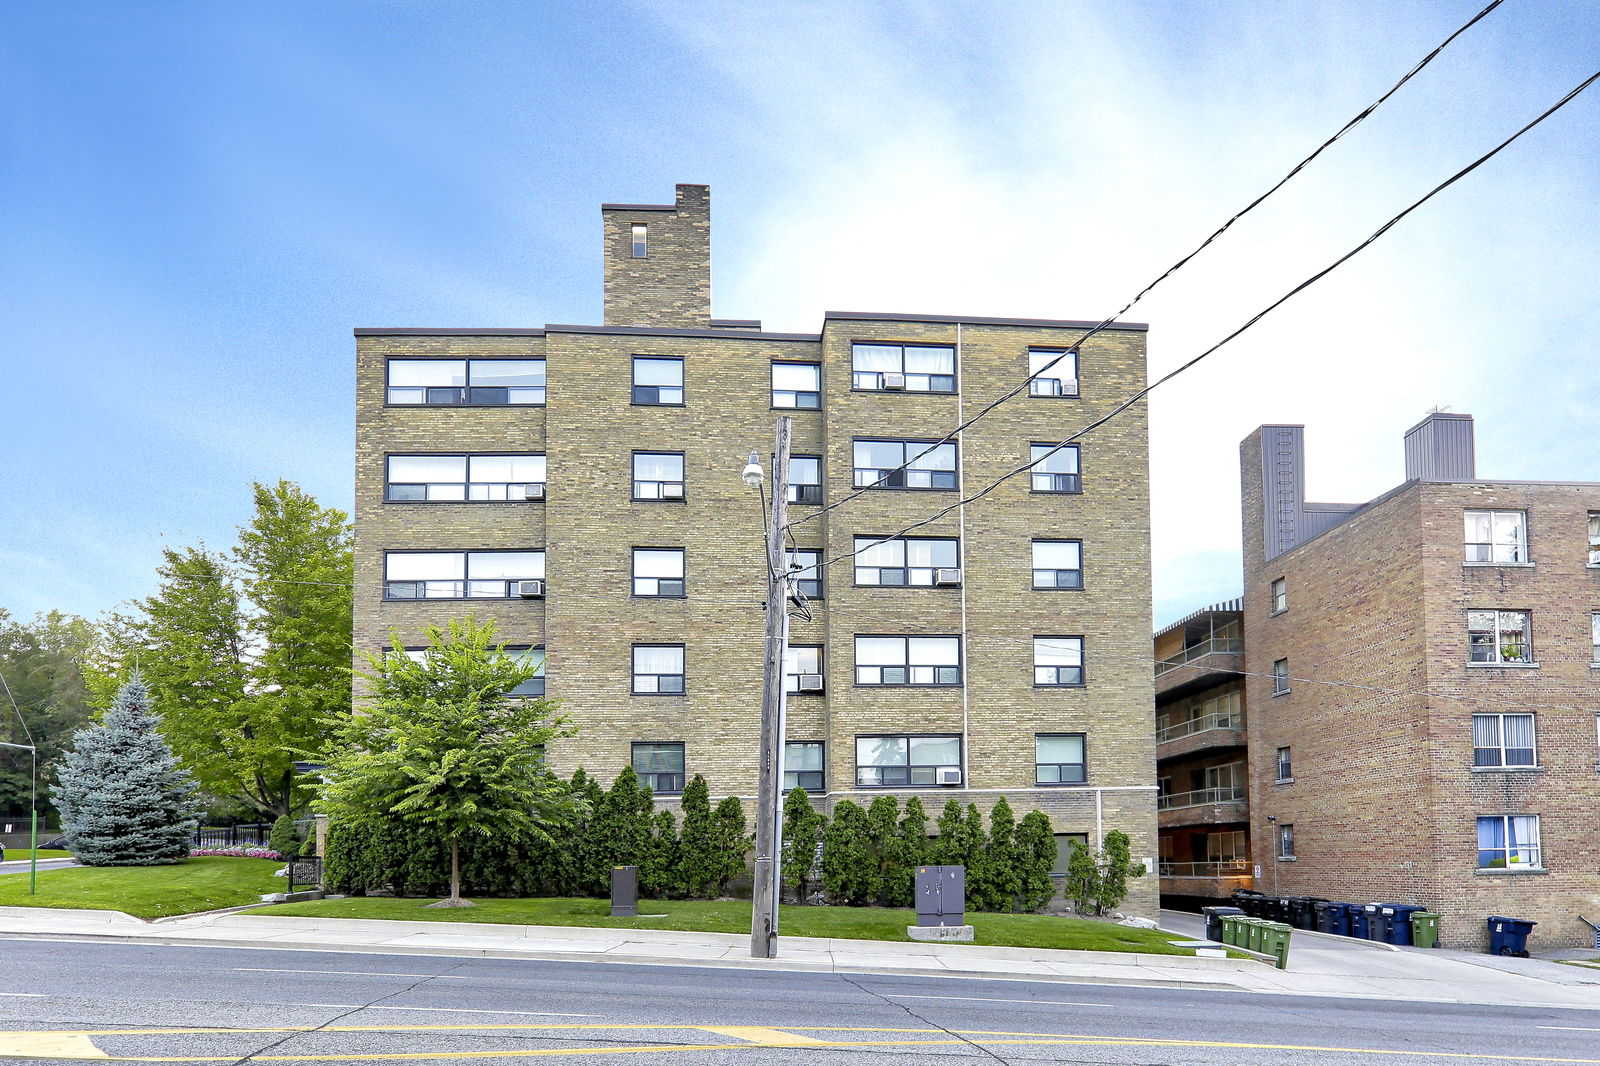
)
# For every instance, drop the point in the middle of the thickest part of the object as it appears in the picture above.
(1209, 646)
(1224, 720)
(1215, 868)
(1200, 798)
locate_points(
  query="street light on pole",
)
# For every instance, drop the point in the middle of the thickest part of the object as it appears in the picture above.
(764, 893)
(32, 749)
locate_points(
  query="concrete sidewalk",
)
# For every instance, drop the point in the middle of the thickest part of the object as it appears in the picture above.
(1314, 969)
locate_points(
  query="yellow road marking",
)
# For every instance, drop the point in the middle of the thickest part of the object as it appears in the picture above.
(764, 1037)
(48, 1046)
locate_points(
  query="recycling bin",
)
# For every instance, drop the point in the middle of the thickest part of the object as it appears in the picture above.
(1357, 915)
(1338, 918)
(1214, 917)
(1397, 923)
(1509, 936)
(1377, 923)
(1424, 929)
(1275, 941)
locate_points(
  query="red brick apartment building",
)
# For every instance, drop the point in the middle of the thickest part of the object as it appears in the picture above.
(1423, 685)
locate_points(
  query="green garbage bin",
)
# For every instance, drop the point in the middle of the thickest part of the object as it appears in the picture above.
(1425, 929)
(1254, 930)
(1230, 929)
(1275, 941)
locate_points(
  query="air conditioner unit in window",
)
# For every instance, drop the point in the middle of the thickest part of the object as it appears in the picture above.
(894, 381)
(950, 576)
(672, 492)
(534, 491)
(1069, 386)
(531, 590)
(810, 682)
(949, 775)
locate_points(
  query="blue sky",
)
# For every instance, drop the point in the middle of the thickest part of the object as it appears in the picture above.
(198, 201)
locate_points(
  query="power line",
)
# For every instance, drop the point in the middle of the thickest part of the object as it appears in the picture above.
(1257, 317)
(1073, 348)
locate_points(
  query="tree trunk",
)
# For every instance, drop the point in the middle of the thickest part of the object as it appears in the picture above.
(455, 872)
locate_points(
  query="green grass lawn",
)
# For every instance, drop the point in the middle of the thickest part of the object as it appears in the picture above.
(733, 916)
(21, 854)
(200, 884)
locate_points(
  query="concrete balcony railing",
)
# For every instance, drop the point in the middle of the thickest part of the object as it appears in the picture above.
(1195, 652)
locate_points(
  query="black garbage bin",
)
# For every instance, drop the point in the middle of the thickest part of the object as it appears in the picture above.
(1214, 920)
(1377, 923)
(1322, 917)
(1248, 901)
(1305, 911)
(1398, 921)
(1509, 936)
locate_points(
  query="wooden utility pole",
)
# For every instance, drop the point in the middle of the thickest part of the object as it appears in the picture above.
(764, 892)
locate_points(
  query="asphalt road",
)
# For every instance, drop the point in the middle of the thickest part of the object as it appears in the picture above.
(72, 999)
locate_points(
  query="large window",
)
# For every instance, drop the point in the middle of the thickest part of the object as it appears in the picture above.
(658, 572)
(640, 242)
(908, 760)
(1594, 538)
(471, 381)
(657, 380)
(797, 385)
(907, 560)
(658, 475)
(459, 575)
(908, 367)
(805, 479)
(806, 567)
(905, 464)
(1497, 536)
(803, 765)
(1058, 564)
(802, 668)
(1055, 468)
(1054, 372)
(1503, 740)
(1594, 636)
(908, 660)
(1509, 842)
(534, 657)
(439, 478)
(1498, 637)
(1057, 662)
(1058, 759)
(659, 766)
(658, 669)
(1280, 677)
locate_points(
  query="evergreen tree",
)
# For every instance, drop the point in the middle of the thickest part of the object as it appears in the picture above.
(730, 843)
(847, 874)
(697, 866)
(123, 798)
(947, 849)
(802, 832)
(999, 880)
(1117, 867)
(972, 838)
(883, 822)
(1036, 854)
(911, 851)
(1083, 878)
(658, 871)
(283, 839)
(620, 828)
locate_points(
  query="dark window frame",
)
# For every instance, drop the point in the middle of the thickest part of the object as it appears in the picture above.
(773, 392)
(388, 485)
(954, 375)
(465, 581)
(1077, 369)
(636, 396)
(465, 390)
(1074, 485)
(822, 663)
(638, 240)
(1083, 767)
(1280, 680)
(1285, 764)
(821, 775)
(649, 777)
(1277, 597)
(960, 763)
(884, 481)
(634, 481)
(634, 675)
(819, 592)
(806, 492)
(1083, 662)
(1036, 571)
(856, 568)
(634, 578)
(960, 666)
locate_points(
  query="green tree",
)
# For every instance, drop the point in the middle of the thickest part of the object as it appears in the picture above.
(619, 829)
(847, 874)
(124, 799)
(283, 839)
(658, 870)
(947, 848)
(883, 823)
(910, 845)
(730, 843)
(42, 663)
(1117, 866)
(802, 832)
(441, 745)
(999, 880)
(1083, 878)
(697, 865)
(1036, 855)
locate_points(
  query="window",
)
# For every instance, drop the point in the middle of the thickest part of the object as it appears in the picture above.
(805, 479)
(534, 657)
(439, 478)
(1058, 758)
(1497, 536)
(1509, 841)
(802, 765)
(1594, 636)
(1280, 596)
(1594, 538)
(797, 385)
(1280, 677)
(904, 464)
(1064, 845)
(1498, 637)
(1503, 740)
(806, 568)
(657, 380)
(1055, 468)
(641, 241)
(802, 668)
(1058, 564)
(658, 669)
(908, 760)
(1286, 842)
(481, 381)
(1061, 379)
(905, 561)
(658, 475)
(1057, 661)
(458, 575)
(658, 572)
(908, 660)
(659, 766)
(1227, 846)
(911, 367)
(1285, 765)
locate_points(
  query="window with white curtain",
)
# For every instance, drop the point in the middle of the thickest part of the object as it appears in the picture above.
(1057, 662)
(1503, 740)
(797, 385)
(911, 367)
(1496, 536)
(1054, 372)
(658, 572)
(658, 669)
(906, 760)
(658, 475)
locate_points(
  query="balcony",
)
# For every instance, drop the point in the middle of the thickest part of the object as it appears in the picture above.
(1206, 806)
(1205, 662)
(1208, 880)
(1208, 732)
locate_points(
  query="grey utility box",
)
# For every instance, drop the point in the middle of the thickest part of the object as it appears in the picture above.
(624, 892)
(941, 895)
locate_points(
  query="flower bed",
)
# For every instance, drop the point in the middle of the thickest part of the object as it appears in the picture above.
(238, 852)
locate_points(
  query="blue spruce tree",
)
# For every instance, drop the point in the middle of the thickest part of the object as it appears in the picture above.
(123, 798)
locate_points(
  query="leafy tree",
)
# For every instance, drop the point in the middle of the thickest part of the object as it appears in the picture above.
(1036, 857)
(283, 839)
(442, 745)
(42, 663)
(247, 652)
(730, 843)
(999, 879)
(910, 845)
(698, 867)
(847, 875)
(1117, 867)
(802, 832)
(883, 823)
(124, 800)
(658, 870)
(1083, 878)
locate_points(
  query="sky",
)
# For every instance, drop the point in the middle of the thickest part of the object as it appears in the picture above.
(200, 200)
